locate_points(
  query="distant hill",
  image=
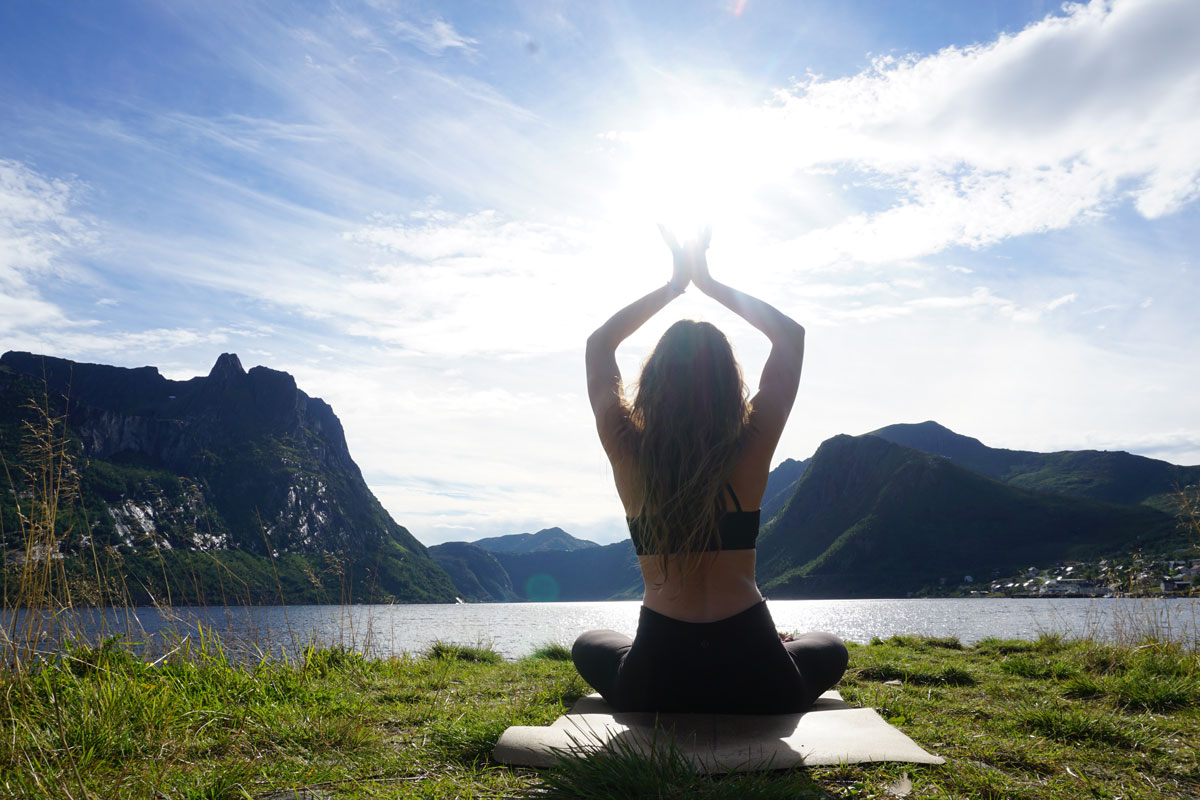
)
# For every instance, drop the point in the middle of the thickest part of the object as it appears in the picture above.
(548, 565)
(477, 575)
(607, 572)
(1107, 476)
(871, 518)
(543, 541)
(227, 488)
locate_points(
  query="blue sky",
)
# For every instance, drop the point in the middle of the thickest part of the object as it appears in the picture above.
(984, 213)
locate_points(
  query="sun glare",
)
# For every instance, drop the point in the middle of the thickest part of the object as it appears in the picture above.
(691, 169)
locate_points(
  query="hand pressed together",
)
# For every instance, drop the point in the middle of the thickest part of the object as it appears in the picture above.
(689, 259)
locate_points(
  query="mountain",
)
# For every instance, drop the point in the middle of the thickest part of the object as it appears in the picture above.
(542, 541)
(548, 565)
(871, 518)
(608, 572)
(1107, 476)
(477, 575)
(781, 483)
(233, 487)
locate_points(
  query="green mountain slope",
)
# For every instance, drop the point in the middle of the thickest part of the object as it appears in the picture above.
(478, 577)
(873, 519)
(781, 484)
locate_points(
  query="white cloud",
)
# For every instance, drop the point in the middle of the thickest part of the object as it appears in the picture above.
(1061, 301)
(1032, 132)
(22, 310)
(35, 222)
(37, 230)
(458, 284)
(434, 37)
(961, 307)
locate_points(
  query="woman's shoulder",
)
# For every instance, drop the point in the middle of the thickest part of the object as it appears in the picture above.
(748, 480)
(624, 470)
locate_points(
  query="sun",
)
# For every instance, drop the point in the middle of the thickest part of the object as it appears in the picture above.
(691, 169)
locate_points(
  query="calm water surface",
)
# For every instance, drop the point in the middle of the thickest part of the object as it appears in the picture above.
(516, 629)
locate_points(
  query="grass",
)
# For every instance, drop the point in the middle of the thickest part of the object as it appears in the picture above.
(445, 651)
(101, 723)
(1051, 718)
(552, 652)
(623, 770)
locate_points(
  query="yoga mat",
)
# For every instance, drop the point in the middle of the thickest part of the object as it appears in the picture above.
(831, 732)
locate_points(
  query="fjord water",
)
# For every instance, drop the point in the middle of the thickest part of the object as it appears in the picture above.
(516, 629)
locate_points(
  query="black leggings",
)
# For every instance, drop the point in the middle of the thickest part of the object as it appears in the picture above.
(736, 665)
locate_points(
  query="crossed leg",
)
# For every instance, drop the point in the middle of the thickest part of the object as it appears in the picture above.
(821, 659)
(598, 656)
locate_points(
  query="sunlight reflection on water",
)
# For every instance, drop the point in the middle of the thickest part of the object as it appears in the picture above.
(516, 629)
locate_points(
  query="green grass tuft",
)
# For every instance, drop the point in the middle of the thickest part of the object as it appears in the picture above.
(1141, 691)
(952, 676)
(1050, 642)
(1103, 659)
(1003, 646)
(623, 769)
(1081, 725)
(467, 739)
(947, 675)
(1039, 667)
(445, 651)
(879, 672)
(552, 651)
(1083, 687)
(920, 642)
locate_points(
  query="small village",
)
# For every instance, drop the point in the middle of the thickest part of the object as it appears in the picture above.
(1133, 576)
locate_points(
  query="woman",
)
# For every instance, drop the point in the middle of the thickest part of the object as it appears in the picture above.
(690, 458)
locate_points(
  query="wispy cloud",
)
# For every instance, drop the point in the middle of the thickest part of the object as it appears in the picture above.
(1061, 301)
(37, 232)
(434, 37)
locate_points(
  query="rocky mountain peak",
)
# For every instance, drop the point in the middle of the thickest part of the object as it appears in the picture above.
(234, 461)
(228, 367)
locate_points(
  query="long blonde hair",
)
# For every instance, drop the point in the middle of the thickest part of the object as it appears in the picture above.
(688, 416)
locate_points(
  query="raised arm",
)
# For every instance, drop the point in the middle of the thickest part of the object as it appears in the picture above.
(603, 375)
(780, 378)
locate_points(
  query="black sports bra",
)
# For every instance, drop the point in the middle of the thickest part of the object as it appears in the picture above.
(737, 530)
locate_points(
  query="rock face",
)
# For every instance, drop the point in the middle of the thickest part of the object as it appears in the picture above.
(236, 461)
